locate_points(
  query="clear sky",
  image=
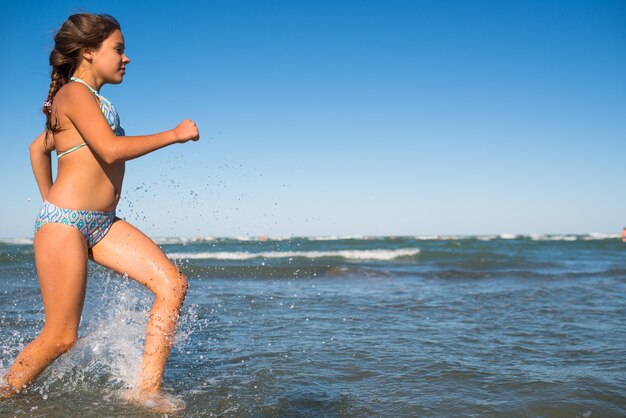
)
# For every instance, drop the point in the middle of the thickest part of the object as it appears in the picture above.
(347, 117)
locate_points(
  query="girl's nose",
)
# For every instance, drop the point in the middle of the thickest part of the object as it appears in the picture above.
(126, 60)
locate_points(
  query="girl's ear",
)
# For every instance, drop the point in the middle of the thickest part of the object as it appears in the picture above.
(87, 54)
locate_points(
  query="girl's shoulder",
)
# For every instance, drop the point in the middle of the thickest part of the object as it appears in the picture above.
(73, 88)
(74, 94)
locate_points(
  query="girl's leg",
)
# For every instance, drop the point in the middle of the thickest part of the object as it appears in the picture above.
(127, 250)
(61, 258)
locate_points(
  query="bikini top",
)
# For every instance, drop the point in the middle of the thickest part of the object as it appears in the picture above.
(109, 112)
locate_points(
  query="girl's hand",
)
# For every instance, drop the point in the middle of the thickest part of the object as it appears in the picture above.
(186, 131)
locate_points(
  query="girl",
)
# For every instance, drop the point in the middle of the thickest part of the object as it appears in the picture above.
(77, 218)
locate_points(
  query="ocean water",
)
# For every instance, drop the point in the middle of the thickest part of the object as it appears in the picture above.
(490, 326)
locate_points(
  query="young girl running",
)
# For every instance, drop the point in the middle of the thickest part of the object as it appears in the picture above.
(77, 219)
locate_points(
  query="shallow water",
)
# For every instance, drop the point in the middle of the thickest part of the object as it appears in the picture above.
(470, 327)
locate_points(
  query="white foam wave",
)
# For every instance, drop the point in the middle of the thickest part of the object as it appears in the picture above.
(599, 236)
(191, 240)
(182, 240)
(200, 240)
(540, 237)
(340, 238)
(379, 255)
(16, 241)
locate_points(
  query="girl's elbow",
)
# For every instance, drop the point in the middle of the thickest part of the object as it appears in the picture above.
(35, 152)
(110, 151)
(39, 147)
(111, 157)
(32, 148)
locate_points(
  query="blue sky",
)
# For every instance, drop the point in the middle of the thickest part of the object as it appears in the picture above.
(348, 117)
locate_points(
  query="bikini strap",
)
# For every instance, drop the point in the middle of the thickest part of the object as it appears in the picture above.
(88, 86)
(71, 150)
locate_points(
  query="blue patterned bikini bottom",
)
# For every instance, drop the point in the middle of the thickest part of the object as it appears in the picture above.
(92, 224)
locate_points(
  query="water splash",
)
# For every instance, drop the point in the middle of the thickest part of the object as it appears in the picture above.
(109, 351)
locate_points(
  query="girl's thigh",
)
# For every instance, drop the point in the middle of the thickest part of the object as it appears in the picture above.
(61, 260)
(127, 250)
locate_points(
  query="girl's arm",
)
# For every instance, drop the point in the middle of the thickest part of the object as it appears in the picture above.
(41, 162)
(83, 111)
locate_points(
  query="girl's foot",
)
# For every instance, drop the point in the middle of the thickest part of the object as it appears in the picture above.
(6, 392)
(154, 400)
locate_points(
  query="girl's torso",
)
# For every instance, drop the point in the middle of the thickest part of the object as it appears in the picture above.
(83, 180)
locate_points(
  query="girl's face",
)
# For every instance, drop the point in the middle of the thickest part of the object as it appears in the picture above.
(109, 61)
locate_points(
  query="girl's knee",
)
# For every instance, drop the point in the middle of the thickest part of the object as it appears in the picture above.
(182, 287)
(66, 344)
(175, 290)
(58, 342)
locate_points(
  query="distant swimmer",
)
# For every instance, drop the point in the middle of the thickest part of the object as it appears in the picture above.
(623, 236)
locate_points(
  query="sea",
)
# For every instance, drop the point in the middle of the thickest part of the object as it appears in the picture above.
(406, 326)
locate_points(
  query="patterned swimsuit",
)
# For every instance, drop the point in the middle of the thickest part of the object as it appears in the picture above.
(92, 224)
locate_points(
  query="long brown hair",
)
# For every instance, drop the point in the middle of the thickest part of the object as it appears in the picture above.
(79, 32)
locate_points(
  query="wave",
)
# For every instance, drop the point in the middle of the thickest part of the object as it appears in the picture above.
(16, 241)
(183, 240)
(596, 236)
(539, 237)
(388, 238)
(341, 238)
(534, 237)
(377, 255)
